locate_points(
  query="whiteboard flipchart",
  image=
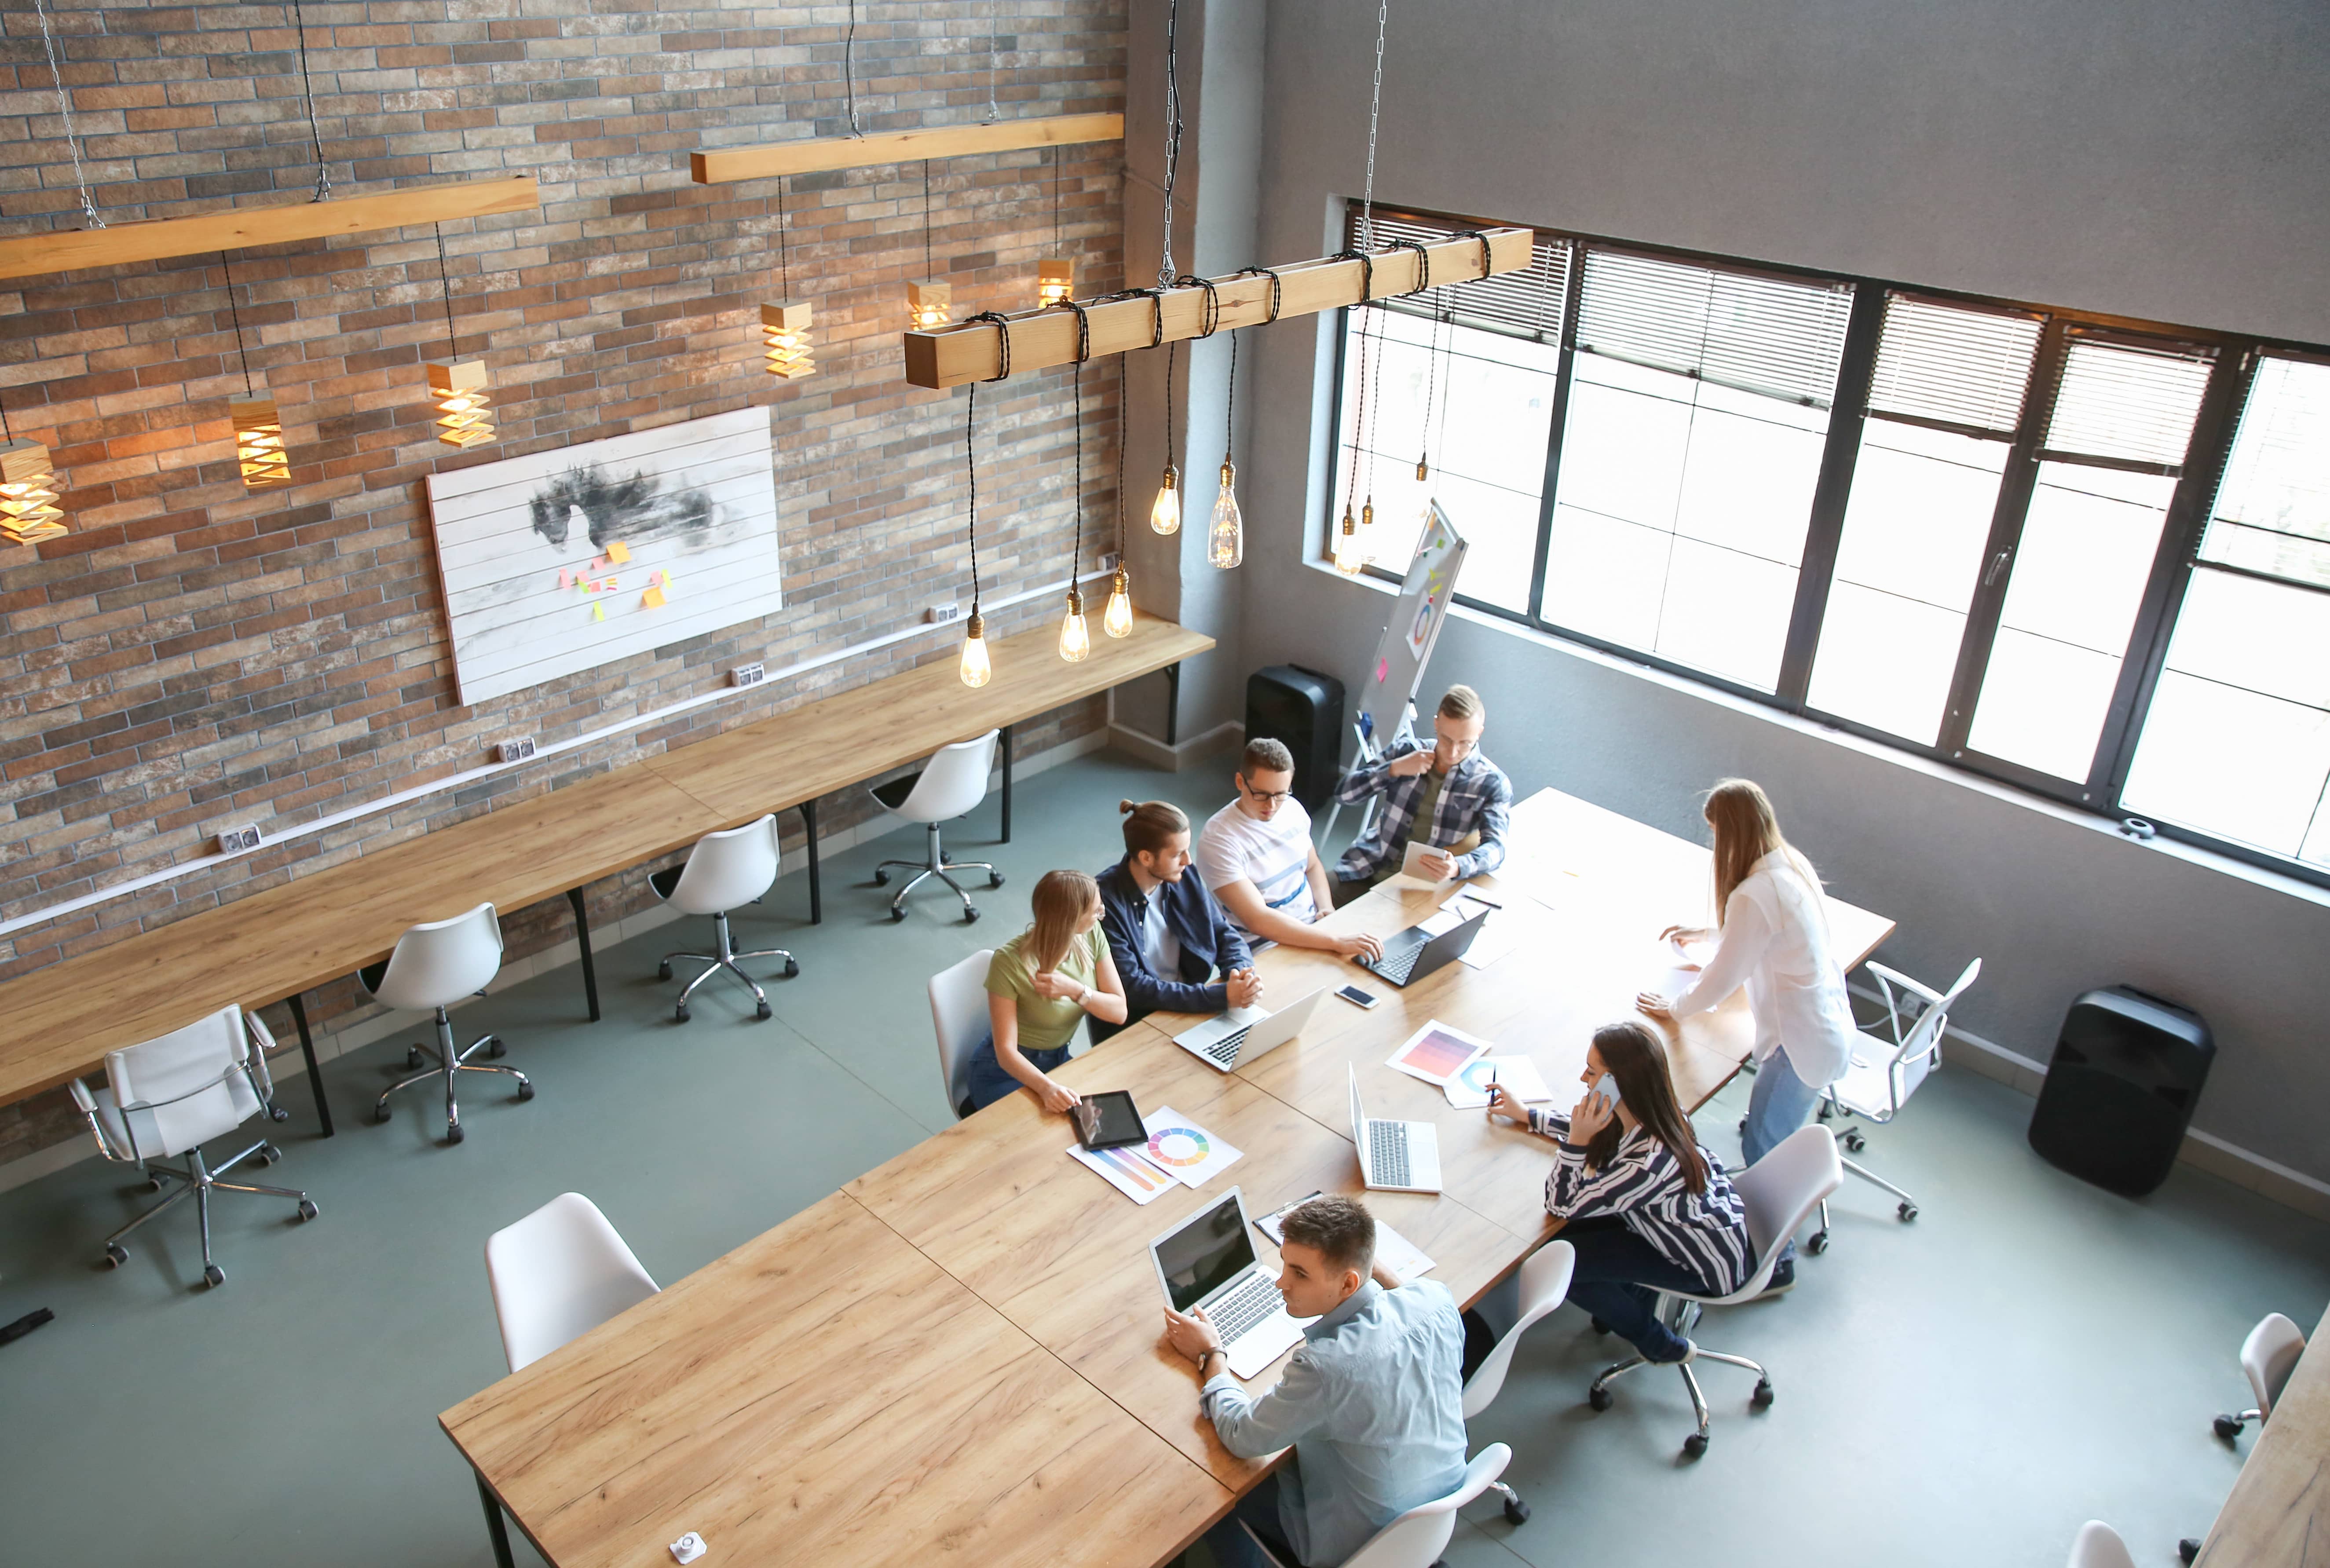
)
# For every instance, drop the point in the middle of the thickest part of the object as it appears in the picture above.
(1425, 595)
(567, 560)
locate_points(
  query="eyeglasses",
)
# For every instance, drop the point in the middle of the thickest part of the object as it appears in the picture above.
(1274, 795)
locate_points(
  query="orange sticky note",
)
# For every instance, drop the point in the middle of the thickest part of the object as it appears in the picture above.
(619, 552)
(652, 599)
(613, 585)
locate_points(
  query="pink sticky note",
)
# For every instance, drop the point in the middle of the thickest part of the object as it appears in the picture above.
(1383, 669)
(655, 579)
(565, 578)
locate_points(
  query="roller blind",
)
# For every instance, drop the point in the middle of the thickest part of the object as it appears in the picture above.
(2118, 400)
(2272, 513)
(1771, 335)
(1527, 301)
(1953, 366)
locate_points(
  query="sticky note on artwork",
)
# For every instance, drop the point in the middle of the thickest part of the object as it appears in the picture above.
(652, 599)
(619, 552)
(598, 612)
(565, 578)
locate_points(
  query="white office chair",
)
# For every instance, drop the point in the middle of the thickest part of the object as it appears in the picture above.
(2269, 1356)
(2098, 1545)
(960, 1020)
(558, 1274)
(1544, 1284)
(725, 871)
(1887, 1070)
(433, 966)
(1778, 1191)
(950, 783)
(1417, 1537)
(166, 1098)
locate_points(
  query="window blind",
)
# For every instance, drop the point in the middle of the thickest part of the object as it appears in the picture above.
(1770, 335)
(1954, 366)
(2119, 400)
(1526, 301)
(2273, 510)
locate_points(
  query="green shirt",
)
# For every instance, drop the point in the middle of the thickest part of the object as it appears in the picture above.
(1426, 804)
(1045, 1024)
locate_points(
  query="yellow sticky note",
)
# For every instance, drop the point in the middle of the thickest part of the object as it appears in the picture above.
(598, 612)
(619, 552)
(652, 599)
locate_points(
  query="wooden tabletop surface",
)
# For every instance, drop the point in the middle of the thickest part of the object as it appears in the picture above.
(2278, 1513)
(319, 927)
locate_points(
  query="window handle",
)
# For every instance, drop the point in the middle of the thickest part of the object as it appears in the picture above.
(1997, 565)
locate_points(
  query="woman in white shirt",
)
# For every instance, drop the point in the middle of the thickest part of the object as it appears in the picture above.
(1772, 937)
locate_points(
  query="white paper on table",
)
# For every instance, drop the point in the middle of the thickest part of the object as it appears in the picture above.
(1435, 1052)
(1393, 1250)
(1494, 941)
(1184, 1150)
(1124, 1169)
(1469, 1089)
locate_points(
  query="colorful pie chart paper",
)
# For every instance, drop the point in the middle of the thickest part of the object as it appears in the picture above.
(1188, 1152)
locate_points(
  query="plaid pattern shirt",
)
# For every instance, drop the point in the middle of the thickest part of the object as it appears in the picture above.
(1475, 796)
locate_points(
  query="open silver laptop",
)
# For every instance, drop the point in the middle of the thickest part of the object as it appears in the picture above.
(1208, 1260)
(1395, 1157)
(1233, 1039)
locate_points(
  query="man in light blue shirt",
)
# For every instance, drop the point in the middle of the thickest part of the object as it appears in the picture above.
(1372, 1401)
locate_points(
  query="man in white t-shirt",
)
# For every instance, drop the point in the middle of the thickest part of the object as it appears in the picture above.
(1257, 857)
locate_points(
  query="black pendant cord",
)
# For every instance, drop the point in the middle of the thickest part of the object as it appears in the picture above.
(784, 267)
(971, 469)
(1120, 465)
(1431, 389)
(926, 220)
(445, 287)
(1056, 249)
(1076, 383)
(1172, 353)
(9, 435)
(1229, 415)
(308, 92)
(235, 316)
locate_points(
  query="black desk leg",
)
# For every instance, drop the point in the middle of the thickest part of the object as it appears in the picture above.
(1005, 738)
(582, 936)
(315, 1073)
(494, 1528)
(1172, 703)
(816, 893)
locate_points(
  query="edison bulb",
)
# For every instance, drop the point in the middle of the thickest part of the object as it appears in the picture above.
(1225, 536)
(1118, 620)
(1165, 512)
(976, 668)
(1075, 640)
(1347, 560)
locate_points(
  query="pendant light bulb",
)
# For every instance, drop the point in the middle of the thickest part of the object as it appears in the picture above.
(464, 403)
(1348, 559)
(784, 331)
(1225, 536)
(976, 668)
(1423, 471)
(1076, 638)
(1118, 621)
(1055, 280)
(1165, 512)
(29, 512)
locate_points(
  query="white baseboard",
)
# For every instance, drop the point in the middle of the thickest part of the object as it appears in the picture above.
(1180, 755)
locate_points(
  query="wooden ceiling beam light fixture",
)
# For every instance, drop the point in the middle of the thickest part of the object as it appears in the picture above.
(722, 165)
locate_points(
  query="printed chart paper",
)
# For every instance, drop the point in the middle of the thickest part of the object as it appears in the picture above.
(1186, 1151)
(1126, 1171)
(1436, 1053)
(1468, 1089)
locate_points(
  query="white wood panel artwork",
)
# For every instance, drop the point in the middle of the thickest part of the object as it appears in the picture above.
(567, 560)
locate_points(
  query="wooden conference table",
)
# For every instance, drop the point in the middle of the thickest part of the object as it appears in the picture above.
(957, 1356)
(280, 942)
(2278, 1513)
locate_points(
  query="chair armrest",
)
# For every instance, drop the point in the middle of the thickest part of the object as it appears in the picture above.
(1886, 977)
(262, 1043)
(86, 1103)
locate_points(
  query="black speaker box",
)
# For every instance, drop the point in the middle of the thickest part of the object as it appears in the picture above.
(2121, 1089)
(1304, 710)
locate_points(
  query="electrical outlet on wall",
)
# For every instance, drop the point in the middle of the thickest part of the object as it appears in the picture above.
(235, 840)
(940, 614)
(751, 674)
(517, 751)
(1110, 560)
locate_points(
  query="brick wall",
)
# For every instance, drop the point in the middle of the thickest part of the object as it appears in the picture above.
(191, 654)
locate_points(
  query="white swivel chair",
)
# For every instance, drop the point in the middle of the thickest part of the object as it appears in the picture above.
(1417, 1537)
(1544, 1284)
(958, 1018)
(950, 783)
(725, 871)
(433, 966)
(558, 1274)
(1886, 1068)
(1779, 1191)
(2098, 1545)
(166, 1098)
(2269, 1354)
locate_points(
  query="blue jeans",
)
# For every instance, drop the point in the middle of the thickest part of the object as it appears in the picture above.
(1779, 1105)
(1228, 1542)
(1618, 1278)
(987, 1080)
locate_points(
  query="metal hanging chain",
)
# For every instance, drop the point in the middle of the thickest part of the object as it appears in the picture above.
(927, 271)
(1374, 106)
(1165, 269)
(849, 70)
(993, 113)
(971, 467)
(445, 285)
(308, 92)
(236, 316)
(64, 112)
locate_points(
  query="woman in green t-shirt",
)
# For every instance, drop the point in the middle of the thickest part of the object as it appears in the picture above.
(1040, 985)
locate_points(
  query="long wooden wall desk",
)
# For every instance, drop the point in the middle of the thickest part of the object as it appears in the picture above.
(2278, 1513)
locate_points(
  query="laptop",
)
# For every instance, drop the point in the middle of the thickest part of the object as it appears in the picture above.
(1410, 955)
(1395, 1157)
(1207, 1260)
(1236, 1037)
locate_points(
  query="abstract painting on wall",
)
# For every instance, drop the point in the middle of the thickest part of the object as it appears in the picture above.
(570, 559)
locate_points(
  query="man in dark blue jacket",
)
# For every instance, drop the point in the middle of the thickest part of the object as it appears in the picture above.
(1167, 935)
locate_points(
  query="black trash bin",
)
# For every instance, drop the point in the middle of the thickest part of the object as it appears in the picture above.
(1303, 709)
(2121, 1089)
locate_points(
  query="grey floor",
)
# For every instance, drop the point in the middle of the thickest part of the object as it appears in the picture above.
(2029, 1353)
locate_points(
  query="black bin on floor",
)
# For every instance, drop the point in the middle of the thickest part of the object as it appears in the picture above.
(1304, 710)
(2121, 1089)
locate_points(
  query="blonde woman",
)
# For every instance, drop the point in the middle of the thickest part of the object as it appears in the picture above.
(1040, 985)
(1772, 937)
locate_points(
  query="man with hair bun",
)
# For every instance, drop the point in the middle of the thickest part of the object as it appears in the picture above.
(1166, 933)
(1448, 792)
(1372, 1401)
(1257, 857)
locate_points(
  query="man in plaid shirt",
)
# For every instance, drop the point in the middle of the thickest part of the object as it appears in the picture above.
(1464, 799)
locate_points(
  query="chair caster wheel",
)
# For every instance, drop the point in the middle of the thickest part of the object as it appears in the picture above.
(411, 1057)
(156, 1184)
(1818, 1243)
(116, 1254)
(268, 1153)
(762, 1011)
(680, 1013)
(2227, 1428)
(497, 1051)
(526, 1089)
(1826, 1111)
(881, 879)
(2187, 1549)
(1600, 1398)
(213, 1276)
(1600, 1327)
(791, 969)
(307, 1209)
(995, 879)
(1854, 1143)
(896, 914)
(381, 1112)
(1517, 1512)
(1694, 1445)
(663, 972)
(455, 1132)
(968, 915)
(1908, 1212)
(1762, 1398)
(277, 1113)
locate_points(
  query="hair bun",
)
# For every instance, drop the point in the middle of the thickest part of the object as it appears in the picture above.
(1127, 808)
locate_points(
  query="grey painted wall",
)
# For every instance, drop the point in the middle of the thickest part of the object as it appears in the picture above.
(2150, 156)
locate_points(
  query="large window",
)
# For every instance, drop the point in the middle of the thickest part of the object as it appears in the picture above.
(1992, 534)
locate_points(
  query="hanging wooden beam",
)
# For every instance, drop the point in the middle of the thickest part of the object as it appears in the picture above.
(719, 166)
(972, 350)
(152, 239)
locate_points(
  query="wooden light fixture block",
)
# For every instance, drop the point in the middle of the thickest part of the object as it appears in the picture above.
(259, 441)
(784, 326)
(1056, 279)
(950, 356)
(931, 304)
(69, 249)
(29, 512)
(716, 166)
(464, 405)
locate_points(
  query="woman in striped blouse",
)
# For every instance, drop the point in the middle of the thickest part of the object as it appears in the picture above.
(1647, 1208)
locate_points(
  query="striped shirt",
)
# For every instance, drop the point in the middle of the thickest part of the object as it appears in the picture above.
(1704, 1232)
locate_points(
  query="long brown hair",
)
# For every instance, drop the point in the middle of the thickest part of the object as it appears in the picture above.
(1635, 1055)
(1747, 829)
(1151, 825)
(1061, 899)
